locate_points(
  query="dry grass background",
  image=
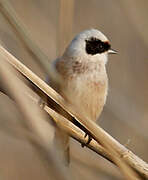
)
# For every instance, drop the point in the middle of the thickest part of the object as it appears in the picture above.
(125, 114)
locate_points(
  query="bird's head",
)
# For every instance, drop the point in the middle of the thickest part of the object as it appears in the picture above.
(90, 44)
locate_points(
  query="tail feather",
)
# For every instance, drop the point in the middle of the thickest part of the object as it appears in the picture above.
(61, 142)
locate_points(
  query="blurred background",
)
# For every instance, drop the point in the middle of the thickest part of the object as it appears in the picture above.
(52, 24)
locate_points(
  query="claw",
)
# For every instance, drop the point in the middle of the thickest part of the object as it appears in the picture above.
(89, 140)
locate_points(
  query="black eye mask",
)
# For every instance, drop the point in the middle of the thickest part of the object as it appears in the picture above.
(95, 46)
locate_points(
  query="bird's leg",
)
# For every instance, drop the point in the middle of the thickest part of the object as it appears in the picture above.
(89, 140)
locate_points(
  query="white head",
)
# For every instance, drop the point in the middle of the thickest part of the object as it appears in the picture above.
(90, 44)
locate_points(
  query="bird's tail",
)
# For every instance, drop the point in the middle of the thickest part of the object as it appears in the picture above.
(61, 142)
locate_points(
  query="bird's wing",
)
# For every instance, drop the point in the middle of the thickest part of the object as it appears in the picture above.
(61, 139)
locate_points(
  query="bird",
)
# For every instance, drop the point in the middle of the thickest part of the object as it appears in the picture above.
(82, 79)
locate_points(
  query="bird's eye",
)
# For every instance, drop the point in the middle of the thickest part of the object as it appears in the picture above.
(100, 46)
(96, 46)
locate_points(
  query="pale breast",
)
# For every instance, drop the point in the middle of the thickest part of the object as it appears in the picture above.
(86, 89)
(89, 97)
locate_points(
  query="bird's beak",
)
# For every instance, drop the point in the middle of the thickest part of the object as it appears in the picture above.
(112, 51)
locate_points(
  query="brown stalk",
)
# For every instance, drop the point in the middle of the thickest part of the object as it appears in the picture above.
(22, 33)
(117, 150)
(131, 159)
(33, 118)
(76, 133)
(66, 14)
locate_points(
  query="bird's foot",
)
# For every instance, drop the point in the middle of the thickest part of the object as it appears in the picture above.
(89, 140)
